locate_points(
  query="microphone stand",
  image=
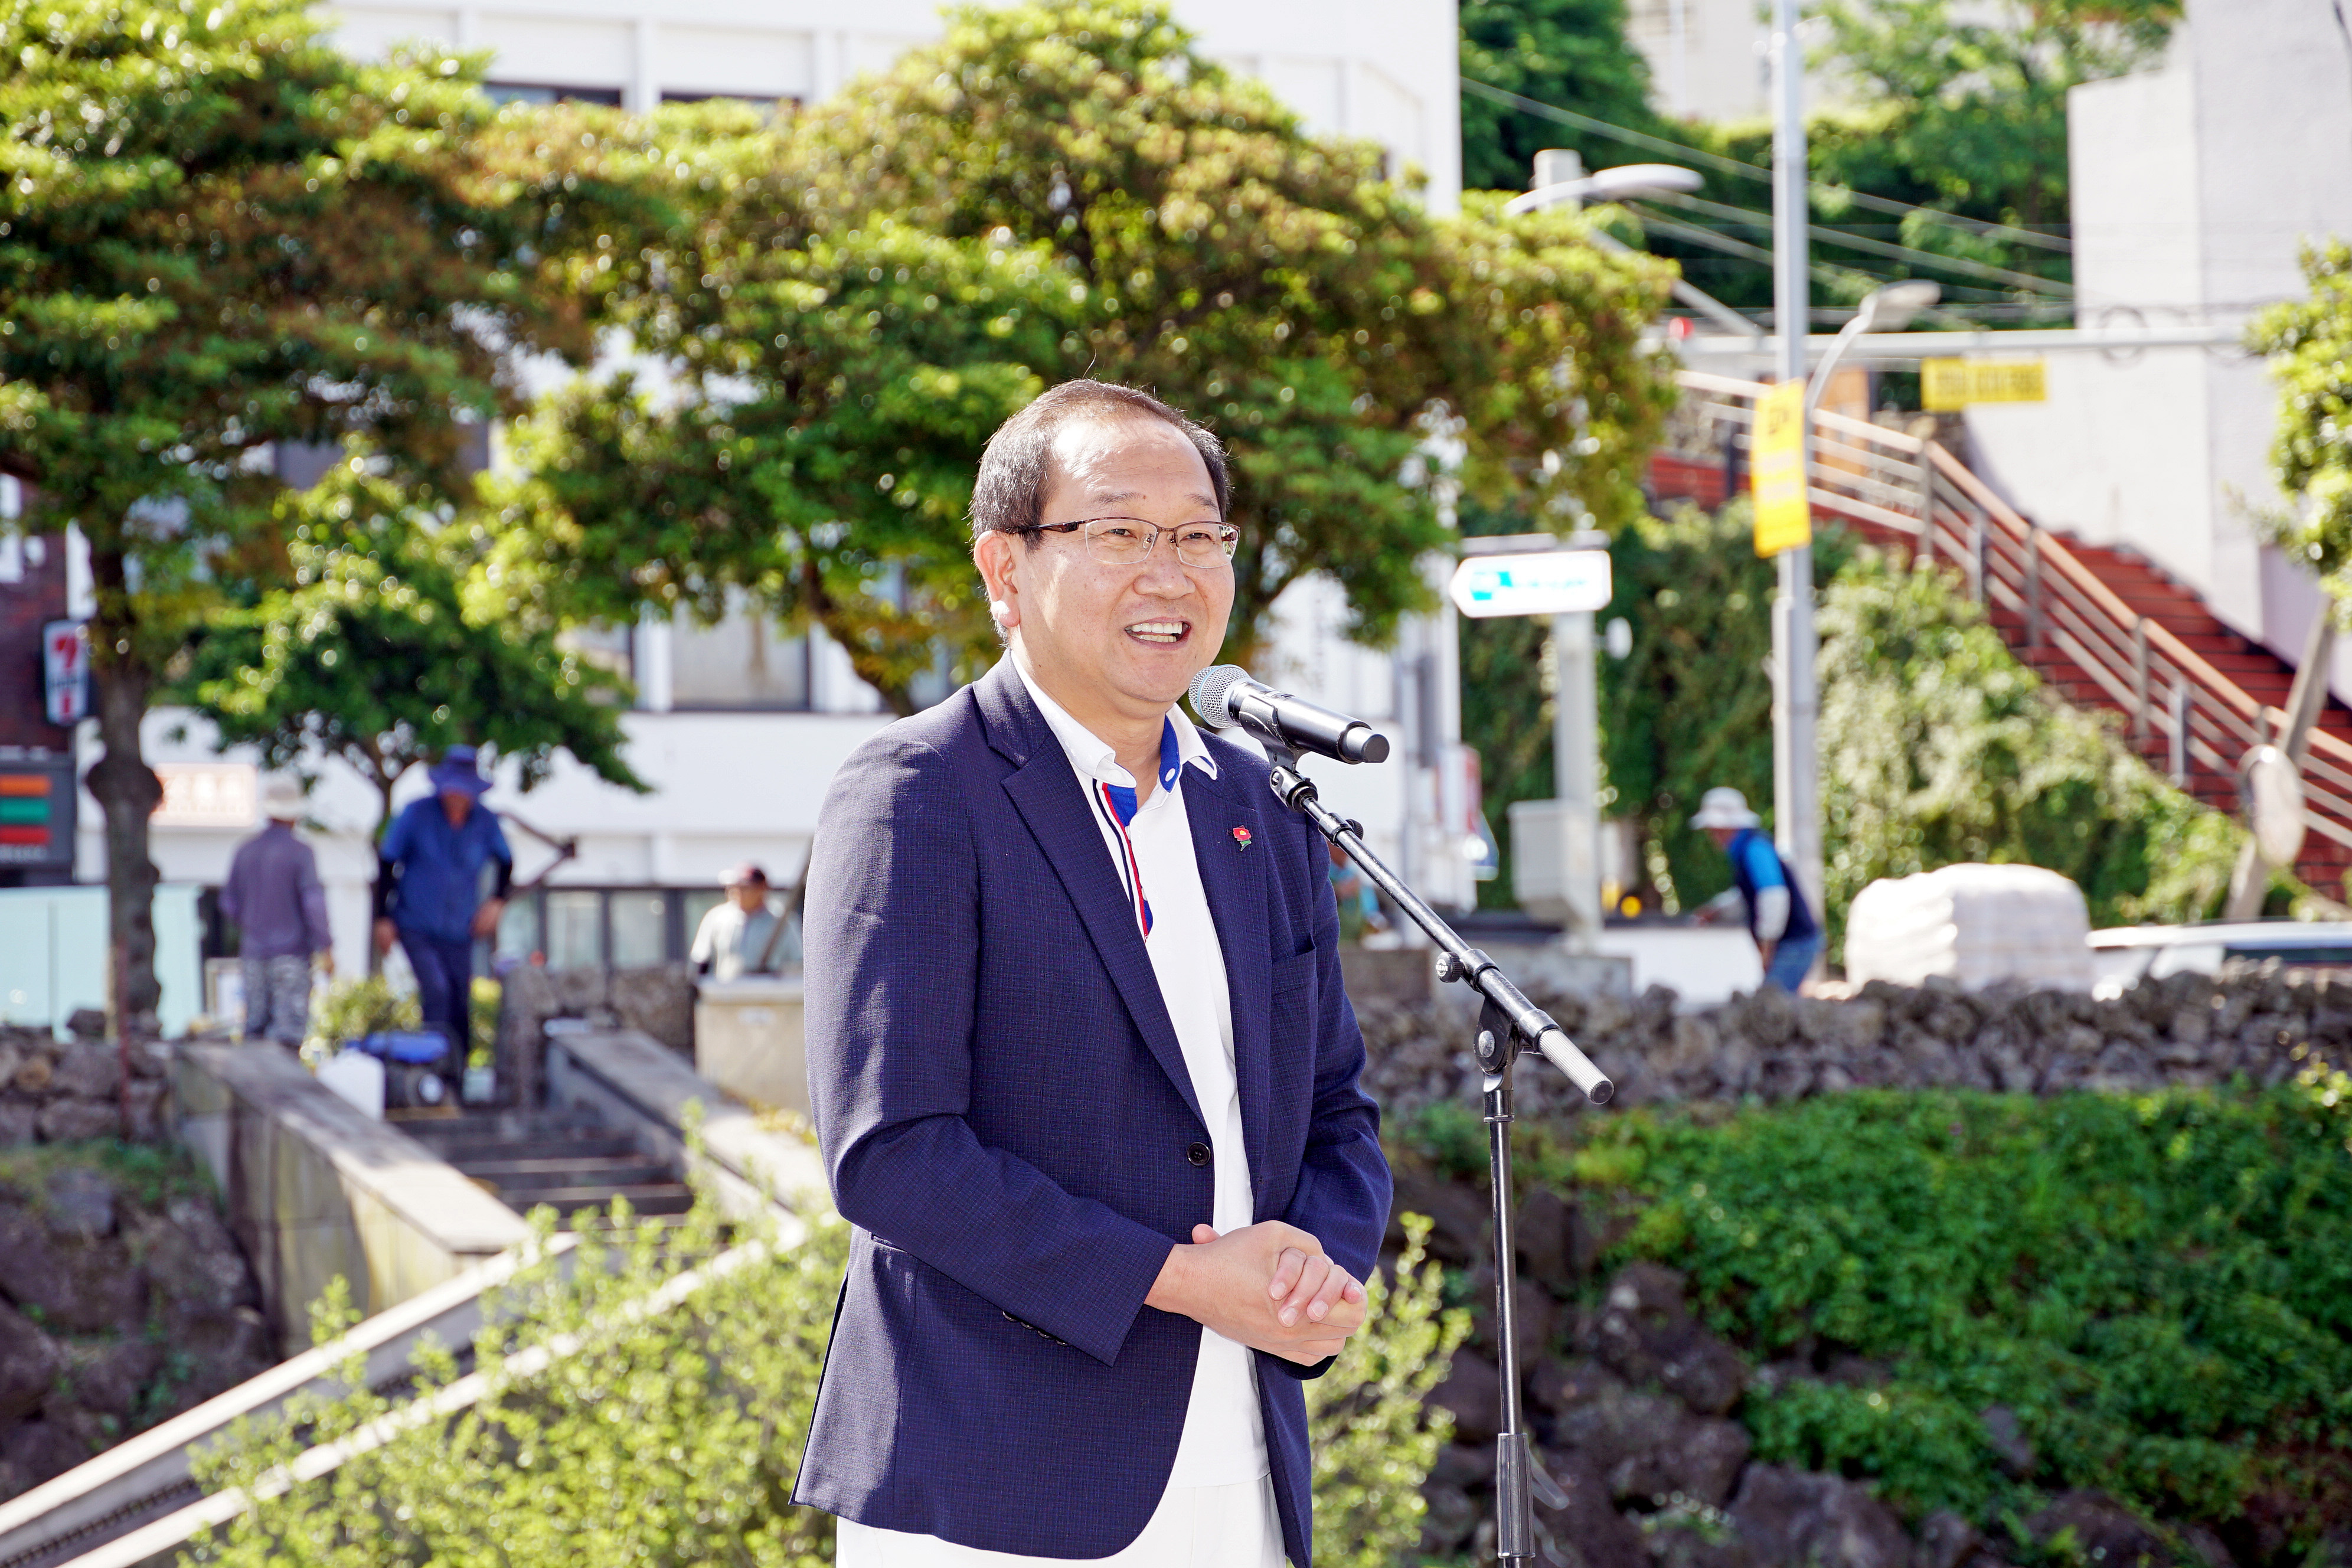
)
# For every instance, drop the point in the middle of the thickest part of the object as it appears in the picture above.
(1508, 1025)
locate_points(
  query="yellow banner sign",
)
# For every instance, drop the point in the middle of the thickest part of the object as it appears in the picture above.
(1946, 385)
(1776, 470)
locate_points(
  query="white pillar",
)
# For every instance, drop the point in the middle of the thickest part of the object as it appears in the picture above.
(650, 662)
(644, 92)
(1576, 770)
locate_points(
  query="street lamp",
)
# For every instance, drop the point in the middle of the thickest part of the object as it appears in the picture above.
(1625, 183)
(1796, 687)
(1560, 182)
(1887, 310)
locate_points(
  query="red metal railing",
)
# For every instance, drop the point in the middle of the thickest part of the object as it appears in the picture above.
(1893, 482)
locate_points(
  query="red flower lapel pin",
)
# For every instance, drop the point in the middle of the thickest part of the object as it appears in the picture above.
(1242, 838)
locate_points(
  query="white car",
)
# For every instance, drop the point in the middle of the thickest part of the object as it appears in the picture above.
(2122, 955)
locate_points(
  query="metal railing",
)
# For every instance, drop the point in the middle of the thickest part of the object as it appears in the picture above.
(1895, 481)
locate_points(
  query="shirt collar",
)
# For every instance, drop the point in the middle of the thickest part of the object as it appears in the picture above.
(1179, 742)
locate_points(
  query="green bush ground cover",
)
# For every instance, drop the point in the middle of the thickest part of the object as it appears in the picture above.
(2158, 1286)
(674, 1438)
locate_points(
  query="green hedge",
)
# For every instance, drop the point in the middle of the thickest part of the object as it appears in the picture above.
(2159, 1288)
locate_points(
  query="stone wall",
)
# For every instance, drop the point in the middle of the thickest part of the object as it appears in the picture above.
(2186, 1030)
(657, 1000)
(1629, 1401)
(54, 1093)
(116, 1310)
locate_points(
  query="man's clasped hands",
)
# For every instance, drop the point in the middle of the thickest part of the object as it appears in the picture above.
(1268, 1286)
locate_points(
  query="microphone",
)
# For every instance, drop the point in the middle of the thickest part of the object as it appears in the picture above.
(1225, 696)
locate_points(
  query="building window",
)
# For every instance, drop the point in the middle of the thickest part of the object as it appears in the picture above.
(575, 929)
(542, 93)
(640, 928)
(587, 928)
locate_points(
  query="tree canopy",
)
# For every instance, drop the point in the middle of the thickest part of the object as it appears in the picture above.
(1571, 54)
(217, 234)
(1056, 191)
(1982, 90)
(2309, 343)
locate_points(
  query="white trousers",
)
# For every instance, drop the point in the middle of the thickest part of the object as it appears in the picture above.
(1193, 1527)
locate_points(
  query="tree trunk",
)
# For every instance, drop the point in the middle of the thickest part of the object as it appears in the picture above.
(127, 791)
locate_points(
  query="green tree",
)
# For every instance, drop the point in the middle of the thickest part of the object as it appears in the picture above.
(1060, 190)
(1270, 282)
(1571, 54)
(2309, 343)
(1962, 108)
(217, 234)
(370, 655)
(814, 444)
(1984, 90)
(1690, 708)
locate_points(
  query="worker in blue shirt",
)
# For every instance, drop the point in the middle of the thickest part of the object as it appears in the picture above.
(1786, 937)
(428, 888)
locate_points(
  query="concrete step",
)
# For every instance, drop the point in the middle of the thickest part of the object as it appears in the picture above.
(516, 1180)
(567, 1160)
(654, 1199)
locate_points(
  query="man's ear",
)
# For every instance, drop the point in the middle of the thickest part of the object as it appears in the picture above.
(993, 553)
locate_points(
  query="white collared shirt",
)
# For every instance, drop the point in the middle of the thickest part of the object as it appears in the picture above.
(1224, 1433)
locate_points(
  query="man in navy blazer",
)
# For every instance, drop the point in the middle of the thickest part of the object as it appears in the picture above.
(1083, 1070)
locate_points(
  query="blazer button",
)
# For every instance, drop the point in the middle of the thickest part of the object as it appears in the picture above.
(1198, 1153)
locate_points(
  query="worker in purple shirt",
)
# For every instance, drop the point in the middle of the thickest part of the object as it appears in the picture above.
(280, 912)
(428, 888)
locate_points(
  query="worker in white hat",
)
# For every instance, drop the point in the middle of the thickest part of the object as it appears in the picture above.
(1788, 938)
(274, 898)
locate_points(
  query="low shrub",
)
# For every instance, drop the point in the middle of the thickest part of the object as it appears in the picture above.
(673, 1436)
(2158, 1287)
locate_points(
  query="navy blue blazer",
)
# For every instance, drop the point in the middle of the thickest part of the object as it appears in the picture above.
(1009, 1126)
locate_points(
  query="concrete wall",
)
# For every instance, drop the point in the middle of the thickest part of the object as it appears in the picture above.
(314, 1189)
(750, 1039)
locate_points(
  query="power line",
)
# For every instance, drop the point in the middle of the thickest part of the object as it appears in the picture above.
(1960, 265)
(1751, 170)
(1822, 272)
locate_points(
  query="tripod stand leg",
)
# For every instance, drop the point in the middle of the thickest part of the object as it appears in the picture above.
(1514, 1515)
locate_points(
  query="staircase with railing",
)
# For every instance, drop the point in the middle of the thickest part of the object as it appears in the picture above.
(2104, 628)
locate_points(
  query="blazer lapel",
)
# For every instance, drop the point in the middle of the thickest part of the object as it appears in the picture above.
(1046, 791)
(1235, 876)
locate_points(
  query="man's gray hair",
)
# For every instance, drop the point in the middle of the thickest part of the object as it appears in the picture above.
(1010, 491)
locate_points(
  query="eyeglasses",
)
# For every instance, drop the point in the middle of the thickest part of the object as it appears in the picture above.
(1129, 541)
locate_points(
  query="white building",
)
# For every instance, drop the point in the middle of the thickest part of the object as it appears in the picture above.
(1709, 58)
(1381, 69)
(740, 727)
(2194, 187)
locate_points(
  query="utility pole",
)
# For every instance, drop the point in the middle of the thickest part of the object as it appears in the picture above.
(1795, 772)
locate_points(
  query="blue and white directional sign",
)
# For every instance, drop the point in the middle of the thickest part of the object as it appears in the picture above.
(1540, 583)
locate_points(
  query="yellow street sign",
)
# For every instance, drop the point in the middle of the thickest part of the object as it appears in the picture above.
(1776, 469)
(1946, 384)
